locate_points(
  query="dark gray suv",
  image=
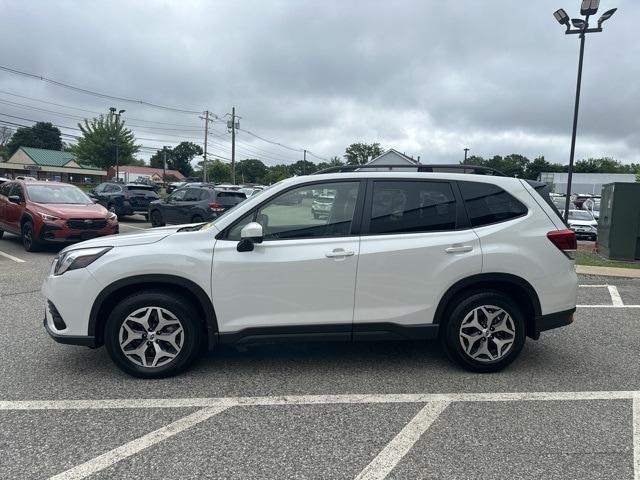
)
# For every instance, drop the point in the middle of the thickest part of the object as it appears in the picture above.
(192, 205)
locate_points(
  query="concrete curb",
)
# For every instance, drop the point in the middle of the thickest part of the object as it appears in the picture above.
(608, 271)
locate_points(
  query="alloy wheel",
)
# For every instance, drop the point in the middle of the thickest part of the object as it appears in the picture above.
(151, 337)
(487, 333)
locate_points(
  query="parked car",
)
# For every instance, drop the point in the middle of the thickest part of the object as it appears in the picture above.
(583, 223)
(578, 200)
(173, 186)
(124, 198)
(250, 191)
(593, 206)
(4, 180)
(321, 206)
(44, 212)
(478, 262)
(193, 205)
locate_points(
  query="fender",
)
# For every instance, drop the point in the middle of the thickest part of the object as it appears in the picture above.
(204, 302)
(483, 278)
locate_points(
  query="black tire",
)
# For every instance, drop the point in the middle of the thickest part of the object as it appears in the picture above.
(112, 208)
(197, 219)
(464, 306)
(181, 308)
(146, 217)
(1, 234)
(29, 240)
(156, 219)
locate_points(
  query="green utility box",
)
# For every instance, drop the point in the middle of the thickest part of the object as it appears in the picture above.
(619, 221)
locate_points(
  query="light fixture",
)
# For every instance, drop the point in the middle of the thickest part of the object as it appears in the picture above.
(578, 23)
(561, 16)
(589, 7)
(606, 16)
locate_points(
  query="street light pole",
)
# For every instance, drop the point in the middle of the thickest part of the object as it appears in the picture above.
(575, 129)
(465, 155)
(116, 139)
(581, 28)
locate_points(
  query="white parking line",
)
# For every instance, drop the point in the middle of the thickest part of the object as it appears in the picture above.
(106, 404)
(636, 437)
(132, 226)
(11, 257)
(134, 446)
(616, 299)
(608, 306)
(397, 448)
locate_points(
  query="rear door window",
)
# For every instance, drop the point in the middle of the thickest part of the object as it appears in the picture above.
(230, 198)
(487, 203)
(411, 207)
(192, 195)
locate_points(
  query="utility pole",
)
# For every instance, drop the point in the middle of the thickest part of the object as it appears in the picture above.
(304, 164)
(206, 136)
(116, 138)
(233, 145)
(465, 155)
(164, 165)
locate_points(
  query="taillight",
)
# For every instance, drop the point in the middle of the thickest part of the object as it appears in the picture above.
(565, 240)
(215, 207)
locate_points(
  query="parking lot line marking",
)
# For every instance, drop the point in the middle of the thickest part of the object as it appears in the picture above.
(608, 306)
(636, 437)
(134, 446)
(11, 257)
(616, 299)
(131, 226)
(397, 448)
(226, 402)
(593, 286)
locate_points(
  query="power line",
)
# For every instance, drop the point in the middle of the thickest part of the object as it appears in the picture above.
(94, 93)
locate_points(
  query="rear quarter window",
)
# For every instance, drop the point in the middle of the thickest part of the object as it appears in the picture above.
(487, 203)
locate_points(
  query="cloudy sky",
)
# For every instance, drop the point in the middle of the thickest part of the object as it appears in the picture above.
(425, 77)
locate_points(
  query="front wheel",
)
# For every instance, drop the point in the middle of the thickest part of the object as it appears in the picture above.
(485, 332)
(156, 219)
(153, 334)
(29, 240)
(196, 219)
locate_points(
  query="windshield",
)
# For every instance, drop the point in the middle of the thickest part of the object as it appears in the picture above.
(577, 215)
(57, 194)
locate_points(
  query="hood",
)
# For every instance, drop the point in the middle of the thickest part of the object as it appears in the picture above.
(143, 237)
(583, 223)
(67, 211)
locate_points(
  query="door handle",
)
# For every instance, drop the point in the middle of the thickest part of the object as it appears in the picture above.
(459, 249)
(339, 252)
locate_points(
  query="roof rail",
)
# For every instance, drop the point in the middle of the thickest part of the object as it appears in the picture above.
(421, 167)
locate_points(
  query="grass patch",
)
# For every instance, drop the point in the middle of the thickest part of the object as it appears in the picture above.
(595, 260)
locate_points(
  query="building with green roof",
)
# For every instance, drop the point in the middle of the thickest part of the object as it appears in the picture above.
(44, 164)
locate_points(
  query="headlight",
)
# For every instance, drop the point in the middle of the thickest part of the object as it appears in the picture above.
(48, 218)
(112, 216)
(75, 259)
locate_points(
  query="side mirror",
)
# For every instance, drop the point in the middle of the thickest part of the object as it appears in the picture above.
(250, 234)
(16, 199)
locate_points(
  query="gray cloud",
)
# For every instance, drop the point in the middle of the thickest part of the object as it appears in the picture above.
(425, 77)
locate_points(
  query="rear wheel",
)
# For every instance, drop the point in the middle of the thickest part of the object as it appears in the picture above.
(156, 219)
(1, 233)
(485, 332)
(153, 334)
(29, 240)
(196, 219)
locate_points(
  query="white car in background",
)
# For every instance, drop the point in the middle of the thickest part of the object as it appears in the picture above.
(477, 262)
(583, 223)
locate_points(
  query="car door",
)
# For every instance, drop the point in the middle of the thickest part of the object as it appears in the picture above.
(4, 194)
(302, 276)
(13, 211)
(416, 243)
(186, 208)
(171, 206)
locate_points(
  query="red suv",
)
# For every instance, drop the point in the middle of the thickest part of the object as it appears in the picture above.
(42, 212)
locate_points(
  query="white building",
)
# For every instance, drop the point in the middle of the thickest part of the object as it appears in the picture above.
(583, 183)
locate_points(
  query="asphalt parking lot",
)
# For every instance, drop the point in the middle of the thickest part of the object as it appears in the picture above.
(569, 407)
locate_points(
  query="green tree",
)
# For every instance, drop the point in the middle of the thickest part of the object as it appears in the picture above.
(250, 171)
(302, 167)
(361, 153)
(601, 165)
(276, 173)
(97, 146)
(539, 165)
(181, 156)
(333, 162)
(218, 171)
(40, 135)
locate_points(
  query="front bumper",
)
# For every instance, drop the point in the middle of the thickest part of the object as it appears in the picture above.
(80, 340)
(552, 320)
(60, 233)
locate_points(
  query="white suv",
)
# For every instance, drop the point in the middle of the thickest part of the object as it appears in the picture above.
(476, 261)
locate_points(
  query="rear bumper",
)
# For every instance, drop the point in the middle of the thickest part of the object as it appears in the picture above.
(552, 320)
